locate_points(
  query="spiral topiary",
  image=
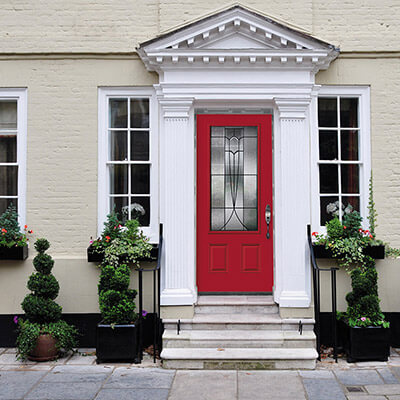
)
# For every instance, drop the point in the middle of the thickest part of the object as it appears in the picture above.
(43, 314)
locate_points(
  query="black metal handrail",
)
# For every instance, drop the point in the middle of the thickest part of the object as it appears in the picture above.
(317, 298)
(156, 301)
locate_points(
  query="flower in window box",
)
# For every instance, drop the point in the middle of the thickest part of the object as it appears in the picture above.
(11, 235)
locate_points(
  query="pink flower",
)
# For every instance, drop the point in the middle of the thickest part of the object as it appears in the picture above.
(16, 320)
(363, 319)
(144, 313)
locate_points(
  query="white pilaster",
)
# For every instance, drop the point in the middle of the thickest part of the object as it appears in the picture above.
(293, 204)
(178, 202)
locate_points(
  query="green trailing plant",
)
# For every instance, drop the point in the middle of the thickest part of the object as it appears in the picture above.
(122, 247)
(10, 230)
(372, 214)
(42, 313)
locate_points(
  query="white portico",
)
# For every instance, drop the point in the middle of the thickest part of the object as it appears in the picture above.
(236, 59)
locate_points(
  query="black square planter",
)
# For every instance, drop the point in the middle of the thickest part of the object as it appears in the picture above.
(93, 256)
(117, 343)
(366, 344)
(376, 252)
(14, 253)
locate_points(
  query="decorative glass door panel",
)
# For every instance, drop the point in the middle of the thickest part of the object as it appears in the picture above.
(234, 178)
(234, 187)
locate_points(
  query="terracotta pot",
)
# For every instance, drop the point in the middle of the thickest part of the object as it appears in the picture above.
(45, 349)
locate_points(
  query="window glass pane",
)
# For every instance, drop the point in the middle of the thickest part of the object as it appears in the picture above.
(328, 178)
(349, 145)
(118, 146)
(139, 113)
(140, 179)
(350, 203)
(350, 178)
(5, 203)
(8, 148)
(327, 112)
(234, 187)
(328, 145)
(329, 208)
(139, 146)
(140, 208)
(118, 179)
(349, 113)
(8, 114)
(120, 206)
(118, 113)
(8, 181)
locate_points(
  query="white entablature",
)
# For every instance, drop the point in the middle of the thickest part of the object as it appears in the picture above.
(236, 38)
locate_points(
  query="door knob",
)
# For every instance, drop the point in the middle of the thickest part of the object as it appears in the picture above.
(268, 218)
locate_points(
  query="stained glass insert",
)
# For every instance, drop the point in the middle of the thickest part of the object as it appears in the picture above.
(234, 187)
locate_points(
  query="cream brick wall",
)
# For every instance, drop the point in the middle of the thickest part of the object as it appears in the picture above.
(119, 25)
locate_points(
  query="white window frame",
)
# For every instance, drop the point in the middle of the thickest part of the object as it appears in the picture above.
(363, 95)
(20, 95)
(104, 94)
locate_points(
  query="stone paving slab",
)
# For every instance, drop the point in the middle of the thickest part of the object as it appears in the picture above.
(283, 385)
(140, 378)
(383, 389)
(68, 377)
(15, 384)
(328, 389)
(64, 391)
(133, 394)
(387, 375)
(363, 377)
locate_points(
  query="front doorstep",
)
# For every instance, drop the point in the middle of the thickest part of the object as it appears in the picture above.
(117, 343)
(14, 253)
(376, 252)
(367, 344)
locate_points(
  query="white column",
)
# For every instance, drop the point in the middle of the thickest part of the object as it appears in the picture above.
(292, 204)
(177, 202)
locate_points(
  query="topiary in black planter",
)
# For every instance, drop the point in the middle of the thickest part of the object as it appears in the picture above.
(43, 334)
(118, 332)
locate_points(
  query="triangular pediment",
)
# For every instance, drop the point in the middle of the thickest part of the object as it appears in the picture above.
(236, 36)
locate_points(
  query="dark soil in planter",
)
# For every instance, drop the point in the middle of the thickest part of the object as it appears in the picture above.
(93, 256)
(117, 342)
(14, 253)
(376, 252)
(366, 344)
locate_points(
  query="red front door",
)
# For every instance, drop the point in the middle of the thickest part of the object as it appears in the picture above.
(234, 200)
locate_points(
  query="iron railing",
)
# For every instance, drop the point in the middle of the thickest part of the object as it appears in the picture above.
(317, 298)
(157, 328)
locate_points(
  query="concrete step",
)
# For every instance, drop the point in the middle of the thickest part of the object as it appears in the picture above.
(235, 305)
(239, 322)
(211, 358)
(238, 339)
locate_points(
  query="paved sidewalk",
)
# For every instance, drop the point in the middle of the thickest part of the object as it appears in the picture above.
(77, 377)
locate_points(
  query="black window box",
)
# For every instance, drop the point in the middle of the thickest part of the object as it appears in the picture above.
(377, 252)
(93, 256)
(366, 344)
(117, 343)
(14, 253)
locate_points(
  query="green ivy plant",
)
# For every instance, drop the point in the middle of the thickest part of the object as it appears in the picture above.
(42, 313)
(10, 231)
(347, 241)
(122, 247)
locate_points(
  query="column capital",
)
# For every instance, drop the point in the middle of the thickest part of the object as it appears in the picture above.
(293, 108)
(176, 108)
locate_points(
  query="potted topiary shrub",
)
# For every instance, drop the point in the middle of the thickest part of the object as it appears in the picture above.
(366, 333)
(117, 333)
(42, 335)
(13, 243)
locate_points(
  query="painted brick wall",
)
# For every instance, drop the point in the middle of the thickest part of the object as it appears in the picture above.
(119, 25)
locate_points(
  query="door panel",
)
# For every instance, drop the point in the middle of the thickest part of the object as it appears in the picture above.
(234, 186)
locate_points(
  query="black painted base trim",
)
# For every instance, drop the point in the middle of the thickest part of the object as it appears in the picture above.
(85, 323)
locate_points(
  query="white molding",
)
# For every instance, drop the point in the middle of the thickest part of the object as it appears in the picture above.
(363, 94)
(205, 64)
(21, 95)
(104, 93)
